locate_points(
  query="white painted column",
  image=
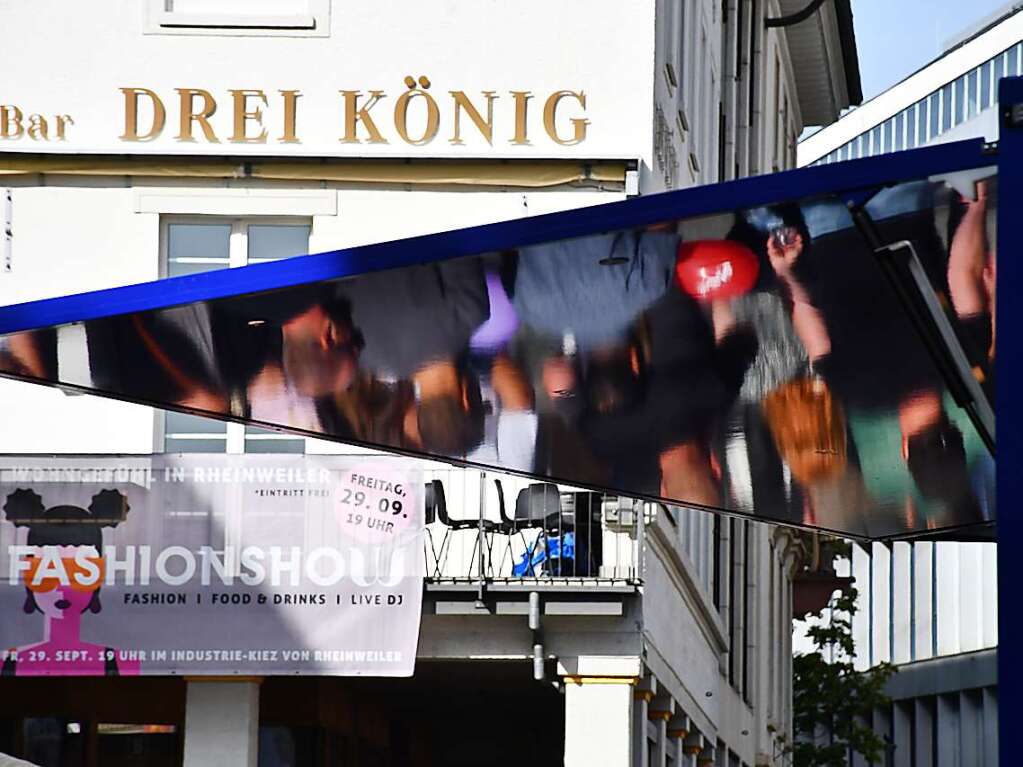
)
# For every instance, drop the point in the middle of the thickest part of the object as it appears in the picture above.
(644, 693)
(946, 597)
(881, 564)
(901, 601)
(693, 746)
(659, 712)
(221, 723)
(678, 730)
(971, 598)
(598, 721)
(923, 600)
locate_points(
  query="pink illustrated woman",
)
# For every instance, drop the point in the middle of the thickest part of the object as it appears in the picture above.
(62, 580)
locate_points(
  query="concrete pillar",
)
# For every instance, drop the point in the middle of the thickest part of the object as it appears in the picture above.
(693, 746)
(677, 731)
(221, 722)
(644, 693)
(598, 721)
(660, 710)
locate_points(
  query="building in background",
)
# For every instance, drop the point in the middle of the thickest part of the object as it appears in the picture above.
(930, 607)
(163, 138)
(953, 97)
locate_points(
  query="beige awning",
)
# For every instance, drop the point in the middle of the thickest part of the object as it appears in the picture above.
(490, 173)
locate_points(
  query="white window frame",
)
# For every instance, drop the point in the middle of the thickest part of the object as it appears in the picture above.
(159, 18)
(238, 255)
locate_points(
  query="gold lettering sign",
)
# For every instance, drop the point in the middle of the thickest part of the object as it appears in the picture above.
(417, 117)
(290, 110)
(131, 114)
(550, 115)
(188, 115)
(242, 115)
(16, 123)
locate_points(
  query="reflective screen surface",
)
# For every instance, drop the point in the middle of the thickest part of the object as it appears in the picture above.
(758, 361)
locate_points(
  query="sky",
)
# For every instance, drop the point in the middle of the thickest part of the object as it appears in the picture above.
(895, 38)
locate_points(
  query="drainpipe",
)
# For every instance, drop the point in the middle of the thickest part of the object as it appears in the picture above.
(795, 18)
(539, 672)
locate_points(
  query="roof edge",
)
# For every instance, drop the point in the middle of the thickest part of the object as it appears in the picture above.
(850, 57)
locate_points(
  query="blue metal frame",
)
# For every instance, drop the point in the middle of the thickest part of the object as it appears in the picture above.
(839, 177)
(1010, 416)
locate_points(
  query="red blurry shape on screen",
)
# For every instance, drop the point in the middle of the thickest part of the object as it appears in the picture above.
(715, 269)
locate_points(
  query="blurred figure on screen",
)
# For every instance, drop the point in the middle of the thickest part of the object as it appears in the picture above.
(809, 429)
(416, 324)
(858, 339)
(971, 279)
(653, 408)
(593, 287)
(278, 352)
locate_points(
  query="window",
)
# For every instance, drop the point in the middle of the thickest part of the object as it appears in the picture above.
(972, 93)
(1012, 61)
(722, 165)
(875, 140)
(194, 248)
(921, 122)
(747, 609)
(292, 18)
(911, 117)
(986, 84)
(959, 100)
(900, 127)
(202, 244)
(886, 137)
(946, 107)
(669, 46)
(718, 575)
(751, 106)
(733, 596)
(778, 117)
(739, 32)
(933, 114)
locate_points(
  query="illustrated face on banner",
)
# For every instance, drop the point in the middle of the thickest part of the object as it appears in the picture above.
(62, 575)
(762, 361)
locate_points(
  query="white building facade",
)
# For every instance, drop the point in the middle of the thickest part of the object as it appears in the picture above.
(169, 137)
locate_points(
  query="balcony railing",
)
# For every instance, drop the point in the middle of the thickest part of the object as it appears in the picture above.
(495, 528)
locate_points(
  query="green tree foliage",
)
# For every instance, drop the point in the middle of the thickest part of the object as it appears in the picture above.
(832, 702)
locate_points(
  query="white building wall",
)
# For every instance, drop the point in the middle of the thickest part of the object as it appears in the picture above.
(703, 77)
(943, 595)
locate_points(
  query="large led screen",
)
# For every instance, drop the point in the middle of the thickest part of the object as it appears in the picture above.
(825, 362)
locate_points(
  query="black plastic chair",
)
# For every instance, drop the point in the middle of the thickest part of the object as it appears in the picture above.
(507, 525)
(489, 528)
(433, 498)
(537, 507)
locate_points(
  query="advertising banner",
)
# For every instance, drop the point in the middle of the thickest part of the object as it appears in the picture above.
(211, 564)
